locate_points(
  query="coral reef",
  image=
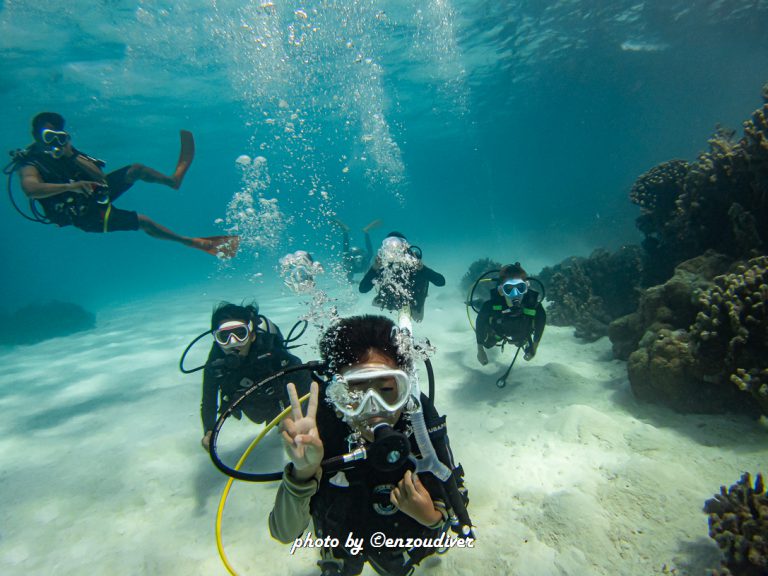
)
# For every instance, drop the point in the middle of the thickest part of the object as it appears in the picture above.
(738, 522)
(731, 329)
(477, 269)
(700, 340)
(671, 305)
(719, 201)
(37, 322)
(588, 293)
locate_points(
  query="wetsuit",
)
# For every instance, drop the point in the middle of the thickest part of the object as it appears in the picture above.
(521, 326)
(79, 210)
(356, 263)
(416, 286)
(222, 384)
(356, 502)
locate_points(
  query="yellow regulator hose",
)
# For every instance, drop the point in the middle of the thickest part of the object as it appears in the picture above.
(240, 462)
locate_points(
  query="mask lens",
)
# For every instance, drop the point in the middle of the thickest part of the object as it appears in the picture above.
(514, 287)
(232, 333)
(369, 390)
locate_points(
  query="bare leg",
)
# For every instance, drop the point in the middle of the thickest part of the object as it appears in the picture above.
(147, 174)
(155, 230)
(223, 247)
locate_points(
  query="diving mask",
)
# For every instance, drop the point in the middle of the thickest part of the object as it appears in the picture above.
(372, 390)
(233, 334)
(513, 288)
(56, 140)
(54, 137)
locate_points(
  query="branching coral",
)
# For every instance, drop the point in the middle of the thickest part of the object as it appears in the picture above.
(720, 201)
(656, 192)
(731, 329)
(477, 269)
(738, 522)
(699, 340)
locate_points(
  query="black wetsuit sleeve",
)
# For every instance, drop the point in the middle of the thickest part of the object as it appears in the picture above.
(482, 323)
(435, 277)
(539, 322)
(366, 284)
(301, 378)
(209, 405)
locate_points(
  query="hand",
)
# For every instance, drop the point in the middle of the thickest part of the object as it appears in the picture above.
(300, 436)
(530, 353)
(412, 498)
(482, 357)
(206, 441)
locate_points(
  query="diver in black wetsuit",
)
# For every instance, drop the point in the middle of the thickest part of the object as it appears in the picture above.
(72, 189)
(513, 314)
(406, 278)
(248, 347)
(354, 259)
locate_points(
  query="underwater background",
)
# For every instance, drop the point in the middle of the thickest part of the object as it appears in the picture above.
(513, 130)
(516, 128)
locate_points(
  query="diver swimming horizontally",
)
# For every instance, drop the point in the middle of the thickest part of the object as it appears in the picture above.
(72, 190)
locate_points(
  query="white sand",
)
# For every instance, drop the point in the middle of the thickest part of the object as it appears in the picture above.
(101, 470)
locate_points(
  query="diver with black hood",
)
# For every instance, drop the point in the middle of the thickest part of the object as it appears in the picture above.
(247, 347)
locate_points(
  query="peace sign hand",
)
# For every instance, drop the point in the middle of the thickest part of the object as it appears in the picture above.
(300, 436)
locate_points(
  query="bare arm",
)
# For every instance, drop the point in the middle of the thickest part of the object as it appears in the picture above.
(35, 188)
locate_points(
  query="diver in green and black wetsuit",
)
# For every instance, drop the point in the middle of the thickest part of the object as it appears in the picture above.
(513, 314)
(73, 190)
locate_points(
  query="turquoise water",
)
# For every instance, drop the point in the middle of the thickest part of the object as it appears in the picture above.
(477, 128)
(514, 126)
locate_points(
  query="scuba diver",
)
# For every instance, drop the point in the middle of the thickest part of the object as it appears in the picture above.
(401, 277)
(369, 406)
(298, 270)
(72, 189)
(247, 347)
(513, 314)
(354, 259)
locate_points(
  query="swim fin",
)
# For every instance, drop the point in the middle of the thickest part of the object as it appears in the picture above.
(223, 247)
(186, 155)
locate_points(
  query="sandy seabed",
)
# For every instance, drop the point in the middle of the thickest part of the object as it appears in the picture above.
(101, 469)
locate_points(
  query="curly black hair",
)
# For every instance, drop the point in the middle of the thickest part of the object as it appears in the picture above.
(348, 340)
